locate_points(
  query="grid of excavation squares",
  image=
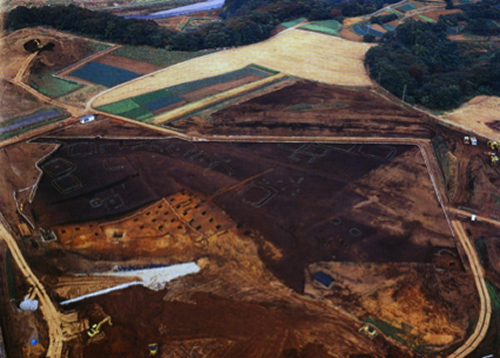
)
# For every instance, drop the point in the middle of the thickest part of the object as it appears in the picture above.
(200, 215)
(156, 220)
(174, 215)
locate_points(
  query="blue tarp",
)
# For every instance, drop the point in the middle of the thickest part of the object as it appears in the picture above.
(323, 278)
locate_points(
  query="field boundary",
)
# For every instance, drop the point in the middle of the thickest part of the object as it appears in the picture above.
(195, 106)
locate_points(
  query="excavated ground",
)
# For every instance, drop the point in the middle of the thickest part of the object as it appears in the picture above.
(309, 108)
(258, 216)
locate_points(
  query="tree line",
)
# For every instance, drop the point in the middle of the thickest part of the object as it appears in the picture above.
(242, 22)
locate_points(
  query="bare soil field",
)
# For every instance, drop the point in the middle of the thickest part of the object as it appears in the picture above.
(414, 300)
(261, 218)
(314, 109)
(25, 102)
(229, 205)
(478, 114)
(65, 50)
(329, 59)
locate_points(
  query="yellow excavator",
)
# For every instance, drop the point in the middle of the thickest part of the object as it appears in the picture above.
(96, 327)
(493, 145)
(494, 160)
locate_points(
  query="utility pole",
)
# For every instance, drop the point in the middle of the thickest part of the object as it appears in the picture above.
(404, 92)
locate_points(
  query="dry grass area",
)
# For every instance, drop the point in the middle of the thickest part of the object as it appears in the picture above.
(477, 113)
(304, 54)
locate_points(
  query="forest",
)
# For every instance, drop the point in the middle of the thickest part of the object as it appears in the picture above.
(419, 64)
(243, 22)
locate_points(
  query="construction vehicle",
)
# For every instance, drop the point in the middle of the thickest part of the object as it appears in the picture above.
(494, 160)
(369, 331)
(153, 349)
(493, 145)
(96, 327)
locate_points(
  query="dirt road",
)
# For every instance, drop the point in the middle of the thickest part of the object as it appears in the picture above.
(50, 313)
(485, 311)
(19, 81)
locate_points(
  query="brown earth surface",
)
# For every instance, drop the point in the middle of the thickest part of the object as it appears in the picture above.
(233, 308)
(106, 127)
(25, 102)
(477, 114)
(414, 299)
(314, 109)
(66, 49)
(352, 203)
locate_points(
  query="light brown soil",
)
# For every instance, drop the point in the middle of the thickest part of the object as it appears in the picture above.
(230, 309)
(348, 34)
(408, 297)
(304, 54)
(24, 102)
(67, 49)
(477, 113)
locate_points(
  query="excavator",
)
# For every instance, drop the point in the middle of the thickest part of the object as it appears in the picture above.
(96, 327)
(494, 160)
(493, 145)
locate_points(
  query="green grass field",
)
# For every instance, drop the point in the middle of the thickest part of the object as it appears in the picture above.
(52, 86)
(425, 18)
(331, 27)
(293, 23)
(158, 57)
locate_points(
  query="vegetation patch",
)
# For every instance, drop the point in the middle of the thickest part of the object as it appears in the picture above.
(102, 74)
(52, 86)
(293, 23)
(448, 163)
(331, 27)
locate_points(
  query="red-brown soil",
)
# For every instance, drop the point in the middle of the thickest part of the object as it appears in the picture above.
(128, 64)
(315, 109)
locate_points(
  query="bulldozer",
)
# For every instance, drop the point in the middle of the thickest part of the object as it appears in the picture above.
(493, 145)
(96, 327)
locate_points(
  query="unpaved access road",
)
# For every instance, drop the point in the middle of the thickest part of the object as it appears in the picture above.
(50, 313)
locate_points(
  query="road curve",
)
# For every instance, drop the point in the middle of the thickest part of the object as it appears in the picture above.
(485, 310)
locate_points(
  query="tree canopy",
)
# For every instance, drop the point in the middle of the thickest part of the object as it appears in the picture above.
(432, 70)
